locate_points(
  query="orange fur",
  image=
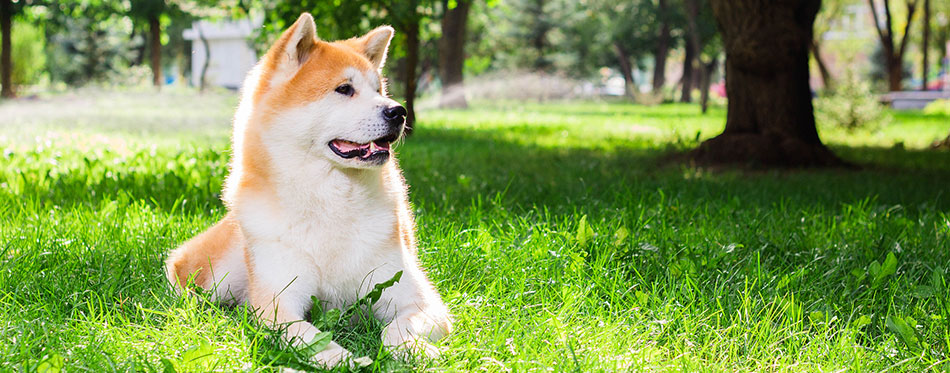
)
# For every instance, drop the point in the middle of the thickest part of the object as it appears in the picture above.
(195, 256)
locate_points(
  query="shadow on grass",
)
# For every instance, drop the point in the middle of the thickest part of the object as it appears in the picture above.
(451, 168)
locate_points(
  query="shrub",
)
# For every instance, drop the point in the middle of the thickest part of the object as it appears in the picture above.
(851, 105)
(939, 107)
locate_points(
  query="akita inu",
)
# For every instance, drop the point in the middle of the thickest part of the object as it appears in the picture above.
(317, 205)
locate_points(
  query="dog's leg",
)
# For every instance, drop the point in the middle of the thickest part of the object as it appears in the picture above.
(214, 259)
(415, 313)
(282, 298)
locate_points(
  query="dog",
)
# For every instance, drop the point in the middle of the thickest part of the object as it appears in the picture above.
(317, 205)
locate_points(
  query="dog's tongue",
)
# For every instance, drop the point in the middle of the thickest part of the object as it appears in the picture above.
(346, 146)
(365, 150)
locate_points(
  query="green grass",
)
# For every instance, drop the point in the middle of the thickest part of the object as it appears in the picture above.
(553, 231)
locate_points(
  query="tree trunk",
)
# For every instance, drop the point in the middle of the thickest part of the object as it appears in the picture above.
(452, 53)
(623, 59)
(895, 73)
(412, 62)
(202, 83)
(662, 48)
(894, 52)
(687, 78)
(6, 59)
(155, 44)
(708, 70)
(770, 122)
(925, 48)
(822, 67)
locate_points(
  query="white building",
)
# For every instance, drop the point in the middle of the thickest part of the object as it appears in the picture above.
(231, 55)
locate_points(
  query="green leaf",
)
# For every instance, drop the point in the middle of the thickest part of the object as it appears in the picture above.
(51, 364)
(620, 236)
(923, 291)
(192, 355)
(642, 298)
(861, 322)
(373, 296)
(882, 272)
(168, 366)
(903, 330)
(318, 343)
(584, 231)
(890, 265)
(859, 274)
(875, 268)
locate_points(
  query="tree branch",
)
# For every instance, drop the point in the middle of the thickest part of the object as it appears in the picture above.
(877, 22)
(911, 8)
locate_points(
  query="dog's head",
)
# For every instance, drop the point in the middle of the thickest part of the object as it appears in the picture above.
(328, 99)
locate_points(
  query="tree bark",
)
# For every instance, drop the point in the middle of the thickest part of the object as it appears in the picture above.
(202, 83)
(625, 69)
(687, 78)
(452, 53)
(412, 62)
(6, 59)
(662, 48)
(925, 48)
(770, 120)
(155, 45)
(895, 73)
(822, 67)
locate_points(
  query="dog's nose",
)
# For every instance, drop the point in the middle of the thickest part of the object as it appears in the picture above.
(395, 114)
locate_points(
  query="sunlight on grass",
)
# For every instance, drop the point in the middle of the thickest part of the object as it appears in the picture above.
(555, 235)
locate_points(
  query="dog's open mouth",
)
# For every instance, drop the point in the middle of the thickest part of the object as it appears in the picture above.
(372, 151)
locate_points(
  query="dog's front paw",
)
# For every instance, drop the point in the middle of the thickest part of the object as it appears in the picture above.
(332, 356)
(418, 347)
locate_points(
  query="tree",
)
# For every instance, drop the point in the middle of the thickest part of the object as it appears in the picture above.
(151, 12)
(6, 48)
(452, 52)
(893, 53)
(663, 41)
(770, 120)
(831, 10)
(698, 43)
(925, 46)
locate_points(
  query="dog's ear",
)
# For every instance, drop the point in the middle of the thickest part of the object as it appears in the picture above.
(376, 45)
(295, 45)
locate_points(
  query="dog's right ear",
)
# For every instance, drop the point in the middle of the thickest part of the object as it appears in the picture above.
(296, 44)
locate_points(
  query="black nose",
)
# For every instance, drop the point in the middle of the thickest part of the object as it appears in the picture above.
(394, 114)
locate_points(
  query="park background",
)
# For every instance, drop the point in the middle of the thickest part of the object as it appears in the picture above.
(660, 185)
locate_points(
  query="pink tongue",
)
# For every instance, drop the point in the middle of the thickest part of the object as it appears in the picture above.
(346, 146)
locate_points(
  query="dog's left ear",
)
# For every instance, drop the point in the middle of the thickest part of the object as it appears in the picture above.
(376, 45)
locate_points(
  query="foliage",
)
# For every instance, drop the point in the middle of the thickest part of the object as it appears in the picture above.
(547, 228)
(28, 54)
(938, 107)
(90, 41)
(851, 105)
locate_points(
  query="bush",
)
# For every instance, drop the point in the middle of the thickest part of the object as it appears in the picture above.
(851, 105)
(939, 107)
(86, 50)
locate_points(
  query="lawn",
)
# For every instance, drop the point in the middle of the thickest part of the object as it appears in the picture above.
(557, 233)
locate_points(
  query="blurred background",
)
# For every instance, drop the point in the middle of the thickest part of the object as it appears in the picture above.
(448, 52)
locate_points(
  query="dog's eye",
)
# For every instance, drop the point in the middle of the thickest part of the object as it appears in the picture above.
(345, 89)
